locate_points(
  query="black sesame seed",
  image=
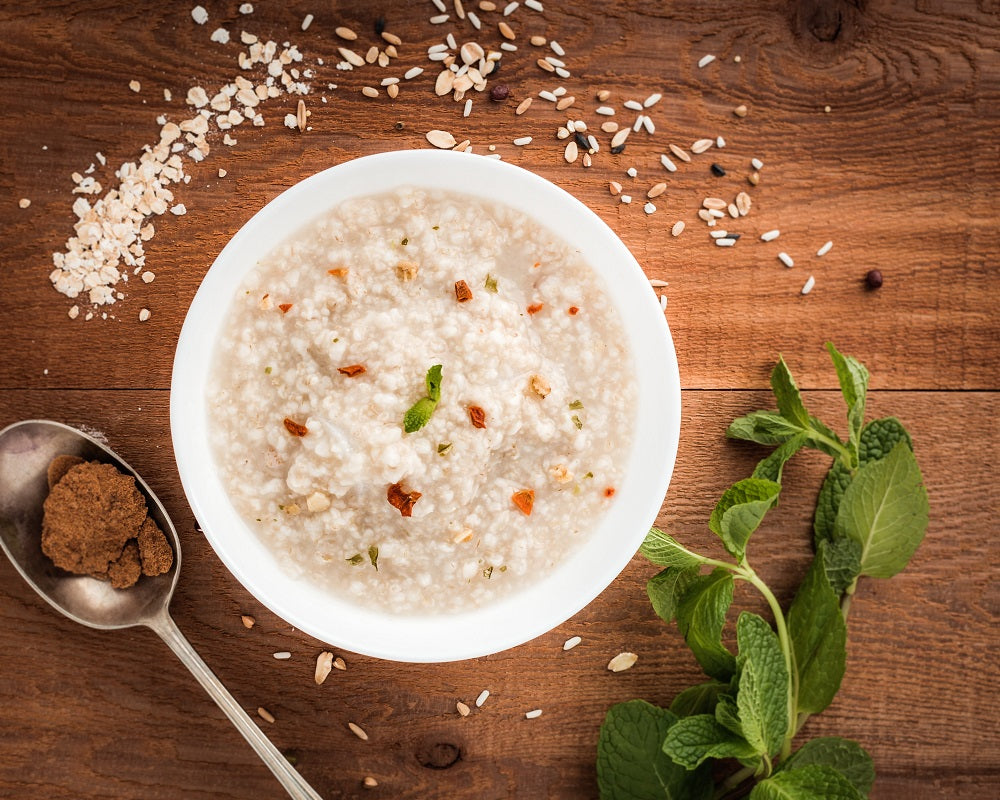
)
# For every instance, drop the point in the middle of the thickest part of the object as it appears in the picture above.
(873, 279)
(379, 26)
(619, 149)
(718, 171)
(733, 235)
(581, 141)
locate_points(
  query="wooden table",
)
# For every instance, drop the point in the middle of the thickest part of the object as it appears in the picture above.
(900, 172)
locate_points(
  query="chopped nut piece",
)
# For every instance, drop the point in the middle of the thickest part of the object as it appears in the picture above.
(462, 292)
(534, 308)
(524, 499)
(248, 621)
(407, 270)
(324, 663)
(572, 311)
(295, 428)
(477, 416)
(400, 499)
(560, 474)
(317, 501)
(462, 709)
(540, 386)
(285, 307)
(609, 491)
(24, 202)
(353, 370)
(338, 663)
(144, 314)
(370, 782)
(340, 272)
(292, 509)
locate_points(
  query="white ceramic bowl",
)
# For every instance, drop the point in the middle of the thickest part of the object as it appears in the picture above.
(588, 570)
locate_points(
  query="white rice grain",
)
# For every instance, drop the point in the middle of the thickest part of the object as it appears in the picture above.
(705, 60)
(785, 259)
(824, 249)
(770, 235)
(483, 694)
(809, 285)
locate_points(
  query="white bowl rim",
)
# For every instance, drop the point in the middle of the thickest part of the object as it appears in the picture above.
(588, 570)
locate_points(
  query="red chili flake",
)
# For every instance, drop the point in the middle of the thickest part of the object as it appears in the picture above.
(477, 417)
(572, 311)
(609, 492)
(295, 428)
(462, 292)
(403, 500)
(524, 499)
(537, 264)
(284, 307)
(338, 273)
(534, 308)
(353, 370)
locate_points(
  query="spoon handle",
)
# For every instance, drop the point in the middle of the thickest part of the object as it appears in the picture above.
(287, 776)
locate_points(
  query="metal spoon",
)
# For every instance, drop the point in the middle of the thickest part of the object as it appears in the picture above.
(26, 448)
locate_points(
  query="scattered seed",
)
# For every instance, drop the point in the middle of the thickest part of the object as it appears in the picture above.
(248, 621)
(510, 8)
(506, 31)
(656, 283)
(522, 141)
(647, 123)
(603, 95)
(307, 21)
(533, 714)
(756, 163)
(610, 126)
(324, 663)
(538, 41)
(615, 187)
(740, 111)
(705, 60)
(571, 151)
(571, 642)
(619, 138)
(631, 172)
(718, 171)
(622, 662)
(462, 709)
(358, 731)
(582, 142)
(633, 105)
(301, 115)
(810, 282)
(144, 314)
(135, 86)
(338, 663)
(468, 108)
(265, 715)
(769, 236)
(714, 212)
(626, 199)
(393, 91)
(351, 57)
(523, 106)
(734, 212)
(283, 655)
(874, 279)
(649, 208)
(482, 698)
(754, 178)
(824, 249)
(652, 100)
(500, 92)
(534, 5)
(557, 48)
(605, 111)
(785, 259)
(669, 165)
(720, 142)
(743, 203)
(24, 202)
(412, 73)
(370, 782)
(439, 19)
(369, 91)
(545, 94)
(663, 302)
(391, 38)
(713, 203)
(345, 33)
(441, 139)
(592, 141)
(725, 242)
(701, 146)
(565, 102)
(678, 228)
(680, 153)
(718, 234)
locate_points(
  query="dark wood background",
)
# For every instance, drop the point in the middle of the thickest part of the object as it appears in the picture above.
(901, 173)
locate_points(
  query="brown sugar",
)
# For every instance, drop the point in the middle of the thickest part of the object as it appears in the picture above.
(96, 523)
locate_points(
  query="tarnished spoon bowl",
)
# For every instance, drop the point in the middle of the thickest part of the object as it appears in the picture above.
(26, 449)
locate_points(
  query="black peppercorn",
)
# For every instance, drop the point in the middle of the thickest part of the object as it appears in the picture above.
(379, 26)
(499, 93)
(873, 279)
(581, 141)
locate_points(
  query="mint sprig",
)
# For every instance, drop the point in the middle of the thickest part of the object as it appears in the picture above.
(419, 413)
(871, 515)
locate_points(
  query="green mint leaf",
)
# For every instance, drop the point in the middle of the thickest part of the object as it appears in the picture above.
(576, 405)
(490, 284)
(885, 510)
(842, 561)
(739, 512)
(787, 395)
(701, 616)
(770, 468)
(727, 714)
(664, 551)
(692, 740)
(853, 378)
(848, 757)
(762, 699)
(577, 422)
(373, 556)
(763, 427)
(666, 589)
(812, 782)
(631, 764)
(433, 381)
(419, 414)
(700, 699)
(879, 437)
(443, 447)
(834, 485)
(819, 638)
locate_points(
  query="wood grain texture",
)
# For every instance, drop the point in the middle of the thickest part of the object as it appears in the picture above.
(902, 175)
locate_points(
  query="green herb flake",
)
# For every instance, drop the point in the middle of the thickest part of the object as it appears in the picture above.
(436, 228)
(354, 560)
(490, 284)
(419, 413)
(443, 447)
(576, 405)
(267, 370)
(405, 241)
(589, 475)
(373, 556)
(577, 422)
(503, 568)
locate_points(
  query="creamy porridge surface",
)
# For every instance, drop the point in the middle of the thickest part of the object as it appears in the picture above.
(327, 345)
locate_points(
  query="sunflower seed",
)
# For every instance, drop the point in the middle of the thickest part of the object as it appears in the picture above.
(265, 715)
(301, 114)
(506, 31)
(622, 661)
(369, 91)
(324, 663)
(619, 138)
(565, 102)
(391, 38)
(680, 153)
(351, 57)
(358, 731)
(345, 33)
(522, 106)
(743, 203)
(714, 202)
(656, 190)
(571, 151)
(701, 146)
(734, 212)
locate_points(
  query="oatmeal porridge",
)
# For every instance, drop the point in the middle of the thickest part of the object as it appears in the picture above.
(422, 401)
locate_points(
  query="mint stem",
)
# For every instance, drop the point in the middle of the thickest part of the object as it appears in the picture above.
(733, 781)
